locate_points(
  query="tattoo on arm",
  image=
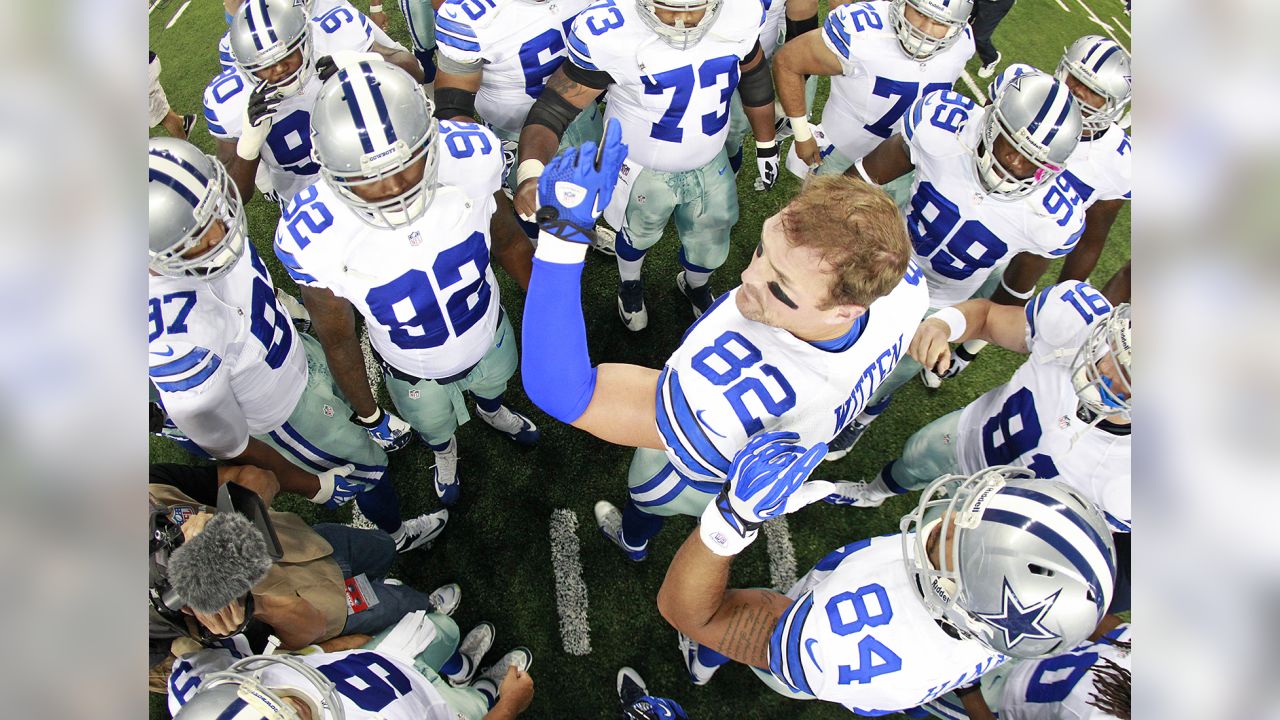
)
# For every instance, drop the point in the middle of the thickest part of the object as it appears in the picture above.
(746, 638)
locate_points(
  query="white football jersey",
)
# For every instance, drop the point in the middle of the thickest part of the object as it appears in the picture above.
(427, 293)
(286, 153)
(673, 104)
(1101, 168)
(960, 233)
(370, 685)
(1059, 688)
(520, 44)
(774, 30)
(335, 25)
(859, 635)
(1031, 420)
(224, 355)
(733, 378)
(880, 81)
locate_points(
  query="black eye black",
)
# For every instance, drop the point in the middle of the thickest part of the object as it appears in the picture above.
(760, 248)
(782, 296)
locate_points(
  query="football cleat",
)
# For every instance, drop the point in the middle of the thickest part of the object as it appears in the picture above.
(446, 598)
(630, 686)
(631, 305)
(188, 122)
(512, 424)
(699, 674)
(700, 298)
(521, 657)
(605, 241)
(609, 519)
(857, 494)
(473, 647)
(444, 474)
(844, 442)
(989, 69)
(421, 531)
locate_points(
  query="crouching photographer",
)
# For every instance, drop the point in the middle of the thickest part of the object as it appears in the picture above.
(222, 564)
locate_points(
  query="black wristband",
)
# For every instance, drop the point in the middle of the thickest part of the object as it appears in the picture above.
(452, 102)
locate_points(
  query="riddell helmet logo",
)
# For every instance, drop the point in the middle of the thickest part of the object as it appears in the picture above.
(415, 238)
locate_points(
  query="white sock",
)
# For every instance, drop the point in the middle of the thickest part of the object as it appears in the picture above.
(629, 270)
(465, 671)
(696, 279)
(973, 347)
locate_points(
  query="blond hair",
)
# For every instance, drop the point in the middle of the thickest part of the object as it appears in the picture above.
(856, 229)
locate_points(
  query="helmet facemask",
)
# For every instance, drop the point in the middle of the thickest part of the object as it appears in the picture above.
(915, 42)
(680, 36)
(1110, 341)
(256, 59)
(1103, 67)
(1092, 119)
(998, 180)
(220, 203)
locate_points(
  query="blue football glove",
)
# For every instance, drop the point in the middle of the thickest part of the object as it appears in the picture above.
(336, 489)
(578, 185)
(763, 480)
(390, 432)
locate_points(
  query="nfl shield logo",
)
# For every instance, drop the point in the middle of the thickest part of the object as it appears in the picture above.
(1064, 422)
(178, 514)
(328, 411)
(640, 199)
(414, 394)
(415, 238)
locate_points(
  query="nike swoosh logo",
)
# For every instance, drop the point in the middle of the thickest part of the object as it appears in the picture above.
(808, 647)
(164, 354)
(707, 425)
(722, 170)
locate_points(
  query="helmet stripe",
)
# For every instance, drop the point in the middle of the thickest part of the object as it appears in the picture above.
(1044, 110)
(384, 118)
(1105, 56)
(1054, 540)
(253, 27)
(353, 105)
(1088, 56)
(179, 175)
(1066, 512)
(232, 710)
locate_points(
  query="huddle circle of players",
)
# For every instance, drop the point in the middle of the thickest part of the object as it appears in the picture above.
(1002, 590)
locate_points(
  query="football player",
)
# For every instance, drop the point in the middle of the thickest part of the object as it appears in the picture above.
(670, 68)
(400, 229)
(261, 111)
(1093, 681)
(1096, 69)
(824, 311)
(495, 60)
(993, 565)
(882, 56)
(336, 25)
(238, 381)
(415, 670)
(988, 186)
(1064, 414)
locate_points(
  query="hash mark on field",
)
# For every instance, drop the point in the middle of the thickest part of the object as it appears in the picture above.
(782, 556)
(978, 95)
(177, 15)
(571, 591)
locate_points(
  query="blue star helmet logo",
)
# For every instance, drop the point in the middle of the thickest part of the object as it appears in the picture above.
(1018, 621)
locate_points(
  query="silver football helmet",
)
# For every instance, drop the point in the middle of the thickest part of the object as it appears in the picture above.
(265, 33)
(371, 121)
(1110, 341)
(1038, 117)
(1102, 66)
(916, 42)
(1028, 565)
(679, 36)
(238, 692)
(187, 192)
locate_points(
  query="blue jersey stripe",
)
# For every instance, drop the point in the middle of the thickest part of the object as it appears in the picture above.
(579, 53)
(1117, 523)
(795, 662)
(180, 365)
(835, 557)
(192, 381)
(1059, 543)
(684, 416)
(454, 41)
(1062, 510)
(842, 45)
(298, 438)
(669, 436)
(295, 453)
(1034, 306)
(666, 497)
(454, 27)
(291, 265)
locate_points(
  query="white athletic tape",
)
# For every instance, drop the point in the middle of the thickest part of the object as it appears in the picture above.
(571, 591)
(782, 556)
(978, 94)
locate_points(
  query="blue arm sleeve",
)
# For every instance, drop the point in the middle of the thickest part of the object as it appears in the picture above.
(557, 371)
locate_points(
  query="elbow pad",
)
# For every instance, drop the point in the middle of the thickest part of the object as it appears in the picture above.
(552, 111)
(452, 102)
(756, 85)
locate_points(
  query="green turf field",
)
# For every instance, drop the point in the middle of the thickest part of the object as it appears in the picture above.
(497, 544)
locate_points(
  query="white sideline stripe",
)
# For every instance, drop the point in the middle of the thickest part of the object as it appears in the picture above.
(1120, 26)
(371, 366)
(979, 95)
(177, 15)
(1098, 21)
(782, 556)
(1063, 6)
(571, 591)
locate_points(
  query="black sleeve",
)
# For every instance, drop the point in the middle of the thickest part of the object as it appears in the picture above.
(200, 483)
(594, 79)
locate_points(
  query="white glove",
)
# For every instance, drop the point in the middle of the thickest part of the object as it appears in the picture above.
(409, 637)
(335, 489)
(767, 165)
(256, 122)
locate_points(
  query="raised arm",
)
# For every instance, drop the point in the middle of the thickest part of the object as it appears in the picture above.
(563, 98)
(1097, 226)
(1004, 325)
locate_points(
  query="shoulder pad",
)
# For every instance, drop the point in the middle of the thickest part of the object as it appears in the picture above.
(472, 158)
(344, 28)
(225, 99)
(846, 21)
(592, 32)
(456, 32)
(940, 114)
(1060, 315)
(304, 220)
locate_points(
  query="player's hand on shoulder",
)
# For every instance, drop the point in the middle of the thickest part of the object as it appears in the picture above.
(578, 184)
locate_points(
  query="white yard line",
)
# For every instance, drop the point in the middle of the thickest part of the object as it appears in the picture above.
(1119, 25)
(153, 5)
(1098, 21)
(1063, 6)
(571, 591)
(978, 93)
(177, 15)
(782, 556)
